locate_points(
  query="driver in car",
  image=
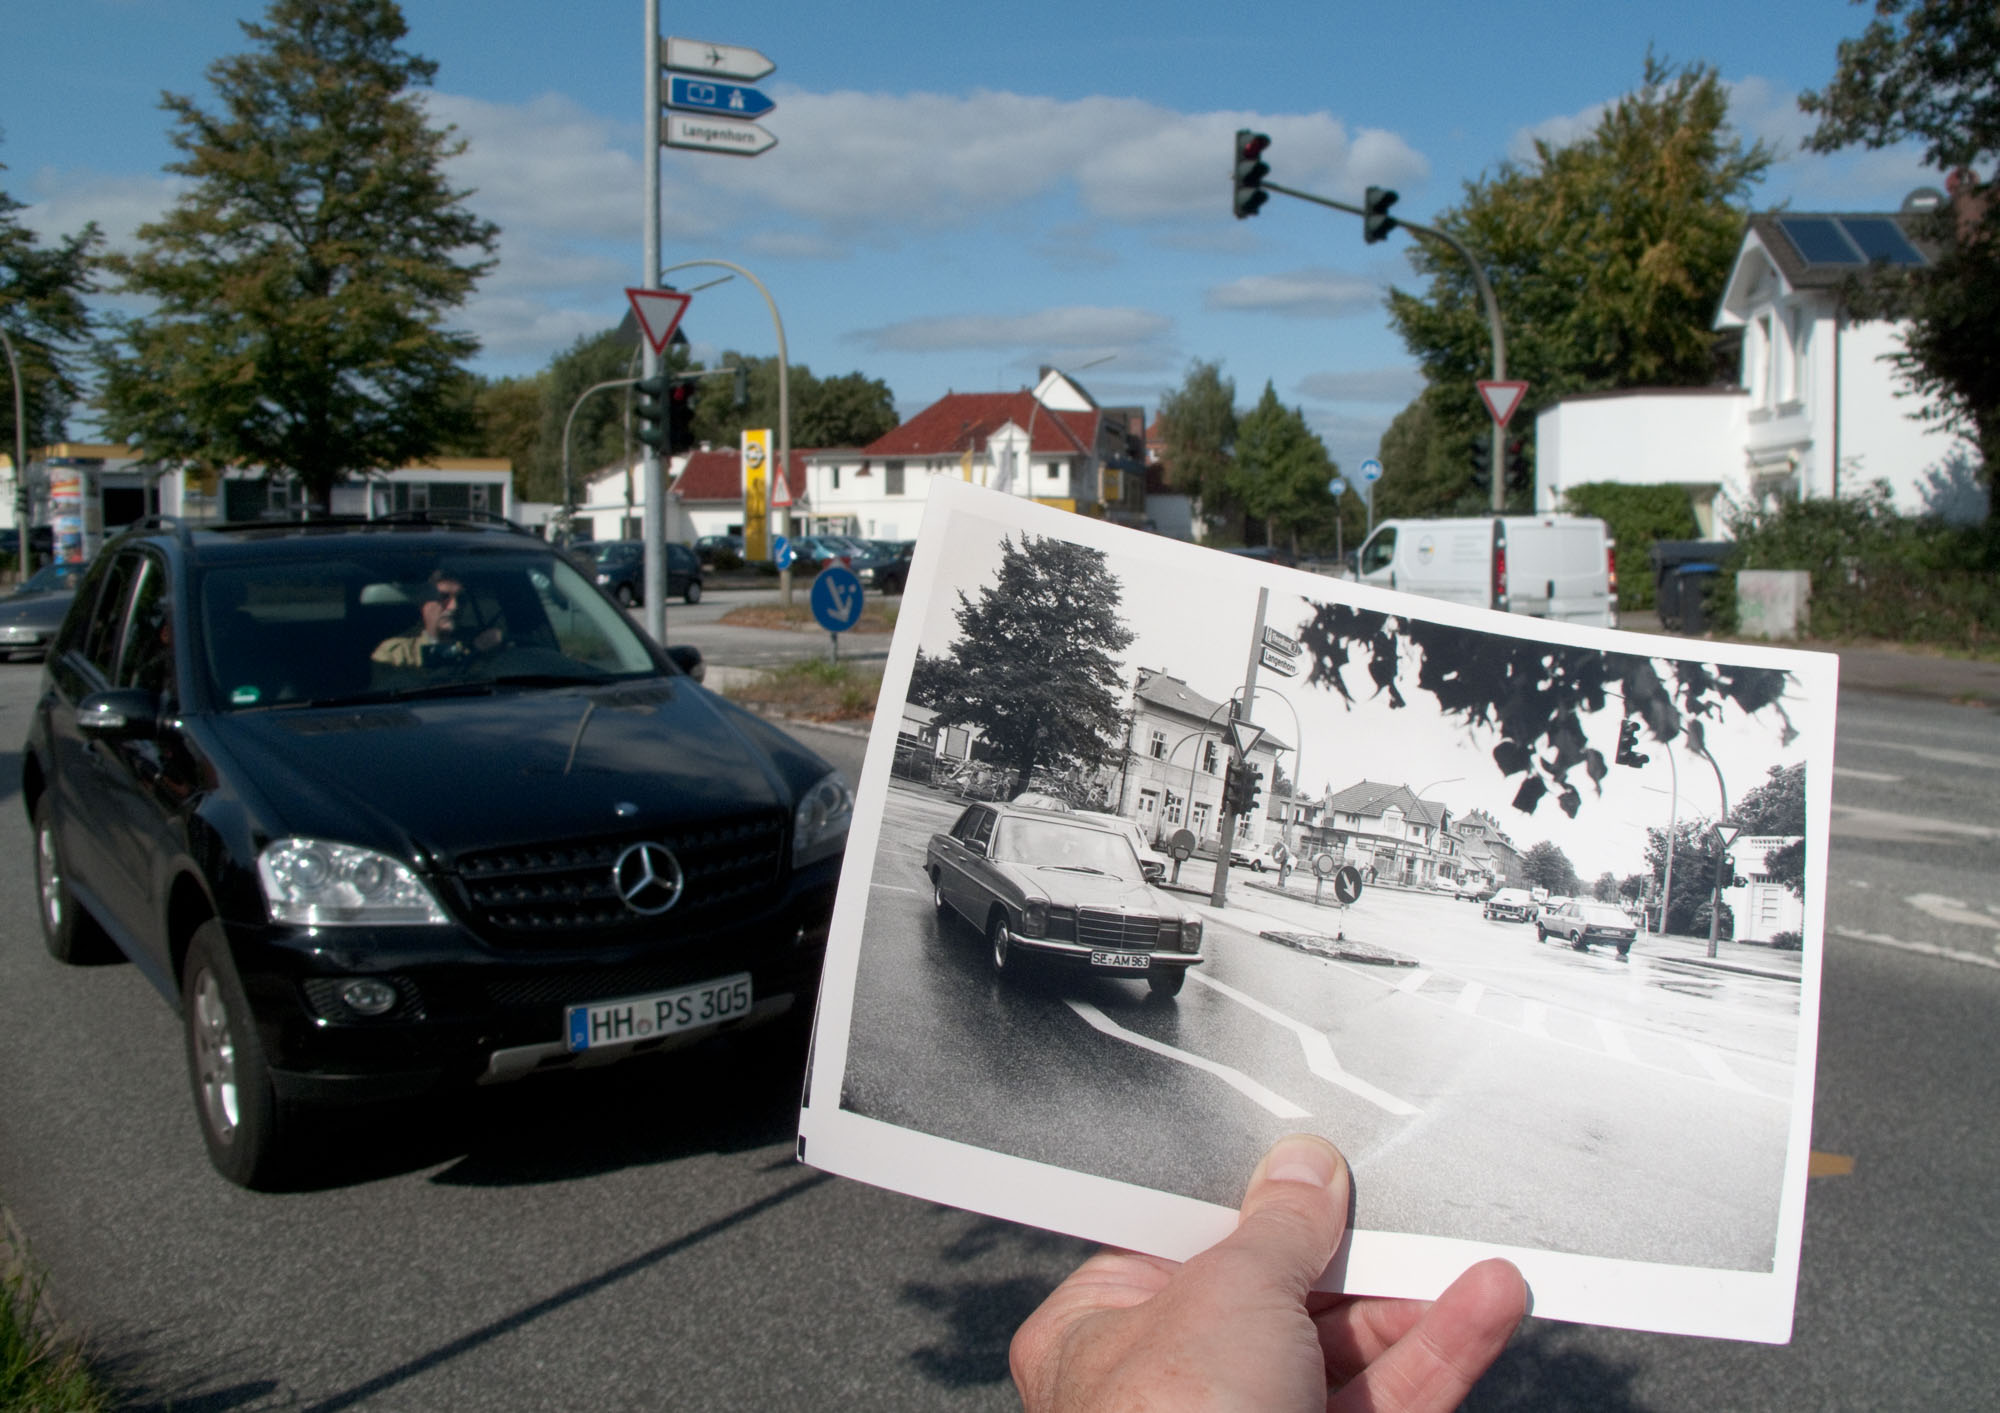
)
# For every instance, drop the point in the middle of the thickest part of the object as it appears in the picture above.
(435, 639)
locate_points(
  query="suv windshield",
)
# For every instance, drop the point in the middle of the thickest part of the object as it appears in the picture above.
(374, 621)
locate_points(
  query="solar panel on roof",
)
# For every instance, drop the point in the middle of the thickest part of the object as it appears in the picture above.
(1818, 240)
(1881, 239)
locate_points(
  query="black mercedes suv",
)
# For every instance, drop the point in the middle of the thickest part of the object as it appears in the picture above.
(383, 807)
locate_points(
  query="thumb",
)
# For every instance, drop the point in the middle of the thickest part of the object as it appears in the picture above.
(1294, 1214)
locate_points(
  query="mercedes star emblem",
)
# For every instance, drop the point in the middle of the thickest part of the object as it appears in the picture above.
(648, 878)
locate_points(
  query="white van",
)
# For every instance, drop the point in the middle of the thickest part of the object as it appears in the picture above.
(1546, 566)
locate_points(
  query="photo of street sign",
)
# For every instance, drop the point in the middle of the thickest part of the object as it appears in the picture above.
(724, 100)
(1278, 642)
(1283, 666)
(695, 56)
(715, 135)
(659, 313)
(1501, 398)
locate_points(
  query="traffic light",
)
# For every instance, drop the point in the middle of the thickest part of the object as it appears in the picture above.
(1482, 463)
(1250, 791)
(650, 408)
(742, 385)
(1376, 222)
(1232, 804)
(1251, 170)
(1517, 465)
(1628, 743)
(680, 417)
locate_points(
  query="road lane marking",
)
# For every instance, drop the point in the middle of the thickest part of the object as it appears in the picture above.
(1468, 999)
(1535, 1017)
(1926, 949)
(1320, 1058)
(1829, 1165)
(1418, 976)
(1718, 1069)
(1614, 1040)
(1235, 1079)
(1949, 910)
(1874, 777)
(925, 892)
(1858, 823)
(1936, 753)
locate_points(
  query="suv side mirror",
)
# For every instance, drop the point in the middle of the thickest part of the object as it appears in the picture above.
(122, 714)
(687, 657)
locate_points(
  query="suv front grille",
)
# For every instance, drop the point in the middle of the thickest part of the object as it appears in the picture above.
(544, 890)
(1099, 927)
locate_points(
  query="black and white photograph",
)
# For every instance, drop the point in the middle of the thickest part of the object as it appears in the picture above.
(1162, 853)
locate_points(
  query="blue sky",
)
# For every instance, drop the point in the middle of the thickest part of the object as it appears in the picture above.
(963, 193)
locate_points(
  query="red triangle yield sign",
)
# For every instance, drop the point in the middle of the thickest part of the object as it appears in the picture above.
(659, 310)
(1501, 398)
(781, 491)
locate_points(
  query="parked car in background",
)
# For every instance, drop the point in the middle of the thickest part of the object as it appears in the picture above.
(31, 614)
(1150, 863)
(1509, 905)
(1582, 923)
(1263, 858)
(620, 569)
(886, 566)
(1061, 888)
(1546, 566)
(711, 548)
(391, 807)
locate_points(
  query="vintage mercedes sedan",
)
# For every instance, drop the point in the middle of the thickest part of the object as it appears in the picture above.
(1066, 887)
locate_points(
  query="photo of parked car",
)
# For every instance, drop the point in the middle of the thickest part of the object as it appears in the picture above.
(1510, 905)
(1055, 886)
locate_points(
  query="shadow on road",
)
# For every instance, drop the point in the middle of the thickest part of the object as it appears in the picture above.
(1543, 1370)
(980, 1314)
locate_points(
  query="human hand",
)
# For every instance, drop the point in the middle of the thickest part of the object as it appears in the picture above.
(1240, 1327)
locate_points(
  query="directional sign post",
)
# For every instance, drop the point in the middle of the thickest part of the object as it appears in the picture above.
(836, 602)
(734, 139)
(721, 100)
(730, 61)
(1280, 653)
(705, 113)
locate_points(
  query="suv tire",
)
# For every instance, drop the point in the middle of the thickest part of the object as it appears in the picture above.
(72, 935)
(693, 594)
(247, 1127)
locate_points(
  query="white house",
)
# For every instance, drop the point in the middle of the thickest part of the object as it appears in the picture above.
(1815, 410)
(1761, 908)
(1170, 775)
(1052, 444)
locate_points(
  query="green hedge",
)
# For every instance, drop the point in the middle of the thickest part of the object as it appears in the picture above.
(1636, 517)
(1875, 573)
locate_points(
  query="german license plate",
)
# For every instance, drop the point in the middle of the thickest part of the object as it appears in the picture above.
(1124, 961)
(635, 1018)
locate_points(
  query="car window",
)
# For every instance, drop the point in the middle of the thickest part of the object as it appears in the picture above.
(147, 658)
(1052, 843)
(982, 829)
(107, 616)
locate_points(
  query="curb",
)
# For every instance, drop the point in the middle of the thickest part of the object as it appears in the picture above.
(1733, 967)
(1338, 948)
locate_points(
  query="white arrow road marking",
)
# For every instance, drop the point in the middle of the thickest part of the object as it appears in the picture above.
(1417, 977)
(1928, 949)
(1848, 772)
(1858, 823)
(1320, 1058)
(1951, 910)
(1936, 753)
(1235, 1079)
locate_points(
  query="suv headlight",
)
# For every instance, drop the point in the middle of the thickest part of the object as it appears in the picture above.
(319, 884)
(819, 824)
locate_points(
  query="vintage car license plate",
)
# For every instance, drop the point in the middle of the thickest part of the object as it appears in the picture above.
(634, 1018)
(1124, 961)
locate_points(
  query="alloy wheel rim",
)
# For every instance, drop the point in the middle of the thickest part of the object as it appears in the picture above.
(51, 870)
(215, 1057)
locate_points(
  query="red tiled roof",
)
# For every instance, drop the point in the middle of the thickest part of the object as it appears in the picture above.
(718, 475)
(961, 422)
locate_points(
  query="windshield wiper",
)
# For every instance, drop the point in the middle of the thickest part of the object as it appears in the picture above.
(1078, 868)
(481, 688)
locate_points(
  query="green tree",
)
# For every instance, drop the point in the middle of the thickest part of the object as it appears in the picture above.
(1425, 472)
(1198, 433)
(1281, 471)
(300, 284)
(1532, 694)
(1546, 866)
(1923, 70)
(1607, 257)
(1694, 874)
(1605, 890)
(42, 309)
(1035, 665)
(850, 410)
(1778, 807)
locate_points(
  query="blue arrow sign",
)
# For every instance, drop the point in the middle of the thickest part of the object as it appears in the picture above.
(782, 551)
(724, 100)
(836, 599)
(1371, 470)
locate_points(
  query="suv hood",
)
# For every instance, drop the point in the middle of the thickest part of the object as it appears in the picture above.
(442, 776)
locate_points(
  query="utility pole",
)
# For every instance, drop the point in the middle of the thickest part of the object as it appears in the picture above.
(1238, 710)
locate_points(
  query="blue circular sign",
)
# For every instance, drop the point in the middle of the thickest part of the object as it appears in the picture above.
(1336, 485)
(1371, 469)
(836, 598)
(782, 552)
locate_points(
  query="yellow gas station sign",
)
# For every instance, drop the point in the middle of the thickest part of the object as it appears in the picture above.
(757, 494)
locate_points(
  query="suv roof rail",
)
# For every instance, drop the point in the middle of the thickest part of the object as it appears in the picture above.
(181, 528)
(443, 519)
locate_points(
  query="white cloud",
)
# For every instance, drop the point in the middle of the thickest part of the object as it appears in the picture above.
(1394, 385)
(63, 203)
(1558, 131)
(1303, 294)
(1078, 327)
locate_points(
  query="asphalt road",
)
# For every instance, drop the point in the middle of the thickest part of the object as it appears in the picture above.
(641, 1238)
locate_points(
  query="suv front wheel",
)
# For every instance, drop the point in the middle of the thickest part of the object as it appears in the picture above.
(246, 1125)
(71, 934)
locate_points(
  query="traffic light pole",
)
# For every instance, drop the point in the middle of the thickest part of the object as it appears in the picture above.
(653, 521)
(1485, 296)
(1219, 895)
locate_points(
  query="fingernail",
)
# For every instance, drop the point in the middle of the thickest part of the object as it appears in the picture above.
(1302, 1157)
